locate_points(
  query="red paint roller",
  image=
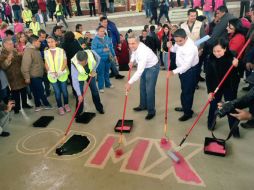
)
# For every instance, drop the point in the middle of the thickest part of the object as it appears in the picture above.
(118, 149)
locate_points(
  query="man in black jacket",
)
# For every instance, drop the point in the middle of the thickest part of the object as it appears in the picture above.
(148, 41)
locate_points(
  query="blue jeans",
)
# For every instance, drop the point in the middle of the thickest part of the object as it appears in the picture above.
(95, 96)
(17, 15)
(209, 15)
(103, 74)
(4, 95)
(147, 9)
(38, 92)
(60, 87)
(111, 7)
(165, 59)
(147, 88)
(188, 85)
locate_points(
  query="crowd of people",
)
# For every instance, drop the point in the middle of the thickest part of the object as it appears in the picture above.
(32, 60)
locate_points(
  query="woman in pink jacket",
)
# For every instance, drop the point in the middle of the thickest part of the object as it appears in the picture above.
(208, 9)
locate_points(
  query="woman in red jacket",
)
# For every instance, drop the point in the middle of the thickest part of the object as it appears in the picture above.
(236, 36)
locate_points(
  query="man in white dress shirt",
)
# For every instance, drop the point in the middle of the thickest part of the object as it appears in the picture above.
(148, 70)
(187, 68)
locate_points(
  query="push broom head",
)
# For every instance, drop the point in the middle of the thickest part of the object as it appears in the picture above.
(173, 156)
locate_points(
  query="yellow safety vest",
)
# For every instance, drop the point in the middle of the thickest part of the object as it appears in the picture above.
(35, 27)
(59, 12)
(55, 64)
(82, 75)
(27, 15)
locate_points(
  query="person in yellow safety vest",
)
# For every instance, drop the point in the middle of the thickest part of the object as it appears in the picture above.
(83, 66)
(56, 66)
(34, 26)
(59, 13)
(27, 16)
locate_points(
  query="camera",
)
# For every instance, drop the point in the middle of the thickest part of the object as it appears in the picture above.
(227, 107)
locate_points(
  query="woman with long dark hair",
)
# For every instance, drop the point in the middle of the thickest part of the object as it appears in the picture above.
(219, 62)
(235, 35)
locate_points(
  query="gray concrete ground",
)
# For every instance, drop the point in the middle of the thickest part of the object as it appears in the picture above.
(28, 159)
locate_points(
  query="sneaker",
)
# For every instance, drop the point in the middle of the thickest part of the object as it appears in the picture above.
(49, 107)
(27, 106)
(119, 76)
(101, 91)
(61, 111)
(38, 109)
(112, 86)
(67, 108)
(5, 134)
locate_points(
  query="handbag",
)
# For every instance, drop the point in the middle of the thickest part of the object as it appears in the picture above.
(110, 56)
(215, 146)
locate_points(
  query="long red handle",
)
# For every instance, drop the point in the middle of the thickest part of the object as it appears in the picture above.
(125, 103)
(215, 91)
(167, 89)
(75, 113)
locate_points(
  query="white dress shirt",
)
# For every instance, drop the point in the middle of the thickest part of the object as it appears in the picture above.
(186, 56)
(145, 58)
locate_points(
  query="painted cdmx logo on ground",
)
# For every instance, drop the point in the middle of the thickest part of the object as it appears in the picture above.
(142, 156)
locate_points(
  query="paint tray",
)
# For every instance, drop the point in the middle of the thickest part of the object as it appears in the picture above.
(43, 121)
(74, 145)
(216, 147)
(85, 117)
(127, 126)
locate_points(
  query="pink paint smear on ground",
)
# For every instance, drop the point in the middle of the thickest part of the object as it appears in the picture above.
(165, 144)
(137, 155)
(215, 147)
(184, 172)
(103, 151)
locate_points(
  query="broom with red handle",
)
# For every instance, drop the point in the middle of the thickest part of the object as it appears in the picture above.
(216, 90)
(118, 150)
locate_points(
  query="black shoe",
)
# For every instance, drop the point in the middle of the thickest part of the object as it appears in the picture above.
(16, 111)
(111, 75)
(236, 132)
(5, 134)
(185, 117)
(247, 88)
(119, 76)
(248, 124)
(30, 96)
(179, 109)
(149, 116)
(201, 79)
(138, 109)
(27, 106)
(101, 111)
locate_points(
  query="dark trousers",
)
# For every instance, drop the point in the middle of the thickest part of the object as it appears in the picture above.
(103, 9)
(154, 15)
(38, 92)
(16, 97)
(95, 96)
(46, 84)
(244, 7)
(92, 9)
(5, 95)
(9, 18)
(188, 85)
(79, 11)
(165, 13)
(229, 95)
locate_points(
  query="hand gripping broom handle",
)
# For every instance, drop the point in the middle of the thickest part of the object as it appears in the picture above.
(167, 88)
(125, 104)
(79, 103)
(216, 90)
